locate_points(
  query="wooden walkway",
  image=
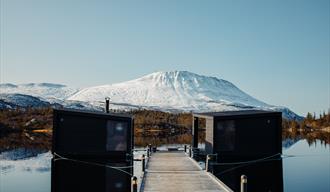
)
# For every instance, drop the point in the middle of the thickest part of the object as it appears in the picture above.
(176, 172)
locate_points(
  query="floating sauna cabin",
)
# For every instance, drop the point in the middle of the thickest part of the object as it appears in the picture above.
(92, 134)
(241, 134)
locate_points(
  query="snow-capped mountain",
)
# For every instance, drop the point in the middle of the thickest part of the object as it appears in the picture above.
(166, 91)
(179, 89)
(176, 90)
(47, 91)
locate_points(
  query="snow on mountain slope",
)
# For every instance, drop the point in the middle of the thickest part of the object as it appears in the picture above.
(46, 91)
(11, 101)
(176, 90)
(20, 100)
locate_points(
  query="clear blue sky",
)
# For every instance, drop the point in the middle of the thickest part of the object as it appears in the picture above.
(277, 51)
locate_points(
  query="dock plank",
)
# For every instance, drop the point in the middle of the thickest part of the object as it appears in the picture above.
(176, 172)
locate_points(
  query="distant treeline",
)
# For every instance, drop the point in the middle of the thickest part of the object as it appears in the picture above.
(311, 128)
(156, 127)
(310, 122)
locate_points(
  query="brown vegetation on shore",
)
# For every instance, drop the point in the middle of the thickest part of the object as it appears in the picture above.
(28, 128)
(156, 127)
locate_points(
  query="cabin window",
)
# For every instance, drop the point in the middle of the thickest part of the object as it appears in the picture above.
(117, 135)
(226, 135)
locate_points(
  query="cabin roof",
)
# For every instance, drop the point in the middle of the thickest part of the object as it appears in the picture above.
(237, 113)
(97, 113)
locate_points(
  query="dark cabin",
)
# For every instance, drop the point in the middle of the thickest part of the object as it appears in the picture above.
(82, 134)
(240, 134)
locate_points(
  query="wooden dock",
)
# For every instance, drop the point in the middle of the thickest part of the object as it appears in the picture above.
(176, 172)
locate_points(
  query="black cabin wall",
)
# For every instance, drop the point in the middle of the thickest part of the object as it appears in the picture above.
(258, 136)
(82, 134)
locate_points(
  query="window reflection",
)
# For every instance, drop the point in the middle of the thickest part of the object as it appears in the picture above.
(116, 136)
(226, 135)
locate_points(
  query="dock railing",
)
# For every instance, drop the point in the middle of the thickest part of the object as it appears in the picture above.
(147, 151)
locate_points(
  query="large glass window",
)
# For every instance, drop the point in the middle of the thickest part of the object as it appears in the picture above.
(225, 135)
(117, 136)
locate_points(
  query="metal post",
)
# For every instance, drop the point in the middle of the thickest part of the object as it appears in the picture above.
(195, 132)
(149, 147)
(190, 151)
(107, 103)
(208, 158)
(134, 184)
(143, 163)
(185, 148)
(215, 157)
(243, 183)
(148, 153)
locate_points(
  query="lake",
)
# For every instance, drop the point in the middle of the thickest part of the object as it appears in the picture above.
(304, 166)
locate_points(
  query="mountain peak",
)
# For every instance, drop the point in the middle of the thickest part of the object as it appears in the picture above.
(180, 77)
(175, 74)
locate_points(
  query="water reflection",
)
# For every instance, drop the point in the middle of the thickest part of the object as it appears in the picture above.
(305, 164)
(91, 175)
(310, 136)
(265, 175)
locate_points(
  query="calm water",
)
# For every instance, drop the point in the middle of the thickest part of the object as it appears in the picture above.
(309, 170)
(304, 167)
